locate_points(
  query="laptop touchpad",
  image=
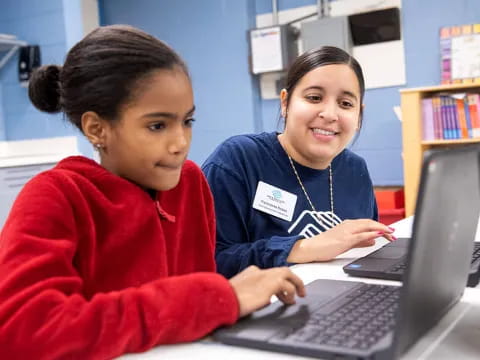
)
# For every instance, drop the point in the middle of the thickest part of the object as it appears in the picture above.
(388, 253)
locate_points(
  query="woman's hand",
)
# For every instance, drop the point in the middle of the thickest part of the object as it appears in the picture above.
(254, 287)
(346, 235)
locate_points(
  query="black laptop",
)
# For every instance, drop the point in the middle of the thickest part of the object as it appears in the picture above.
(389, 262)
(354, 320)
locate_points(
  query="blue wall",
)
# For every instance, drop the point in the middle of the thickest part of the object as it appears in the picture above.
(37, 22)
(380, 142)
(211, 35)
(421, 23)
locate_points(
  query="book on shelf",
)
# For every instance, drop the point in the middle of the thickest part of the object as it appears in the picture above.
(460, 54)
(468, 118)
(462, 121)
(445, 117)
(453, 112)
(428, 119)
(474, 108)
(437, 119)
(451, 116)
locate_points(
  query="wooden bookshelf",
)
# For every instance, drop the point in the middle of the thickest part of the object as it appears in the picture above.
(413, 144)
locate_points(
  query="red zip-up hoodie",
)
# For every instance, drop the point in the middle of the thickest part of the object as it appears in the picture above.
(92, 267)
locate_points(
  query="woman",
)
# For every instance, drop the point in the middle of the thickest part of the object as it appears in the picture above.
(292, 197)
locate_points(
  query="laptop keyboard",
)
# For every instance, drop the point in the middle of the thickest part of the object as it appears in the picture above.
(476, 252)
(367, 315)
(400, 267)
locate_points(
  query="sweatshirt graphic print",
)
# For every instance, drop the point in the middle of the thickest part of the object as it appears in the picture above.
(247, 236)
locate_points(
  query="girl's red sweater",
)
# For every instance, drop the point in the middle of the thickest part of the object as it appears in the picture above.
(92, 267)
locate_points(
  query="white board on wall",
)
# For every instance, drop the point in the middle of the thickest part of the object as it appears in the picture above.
(383, 64)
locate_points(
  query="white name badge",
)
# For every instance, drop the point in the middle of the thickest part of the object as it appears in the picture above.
(274, 201)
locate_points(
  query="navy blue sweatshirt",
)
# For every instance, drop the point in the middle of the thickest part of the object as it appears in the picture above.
(247, 236)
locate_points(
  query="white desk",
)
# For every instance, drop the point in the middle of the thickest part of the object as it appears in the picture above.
(456, 336)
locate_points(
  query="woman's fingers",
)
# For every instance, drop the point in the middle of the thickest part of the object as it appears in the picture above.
(365, 243)
(389, 237)
(335, 241)
(367, 225)
(367, 237)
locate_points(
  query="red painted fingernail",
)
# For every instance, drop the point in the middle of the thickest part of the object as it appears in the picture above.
(393, 229)
(380, 233)
(393, 237)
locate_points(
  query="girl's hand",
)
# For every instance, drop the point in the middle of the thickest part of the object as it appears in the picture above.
(346, 235)
(254, 287)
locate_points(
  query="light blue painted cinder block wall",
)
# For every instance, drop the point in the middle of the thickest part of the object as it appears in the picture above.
(211, 36)
(421, 23)
(56, 26)
(41, 23)
(380, 142)
(187, 24)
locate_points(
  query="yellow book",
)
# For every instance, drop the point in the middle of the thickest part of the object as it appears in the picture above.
(467, 29)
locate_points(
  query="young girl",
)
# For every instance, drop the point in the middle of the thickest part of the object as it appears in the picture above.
(282, 198)
(97, 260)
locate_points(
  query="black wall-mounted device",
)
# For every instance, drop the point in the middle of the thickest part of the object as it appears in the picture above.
(28, 60)
(375, 26)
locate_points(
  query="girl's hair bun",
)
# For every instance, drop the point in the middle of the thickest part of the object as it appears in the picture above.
(44, 88)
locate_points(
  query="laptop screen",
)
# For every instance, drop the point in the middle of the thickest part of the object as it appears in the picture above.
(446, 218)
